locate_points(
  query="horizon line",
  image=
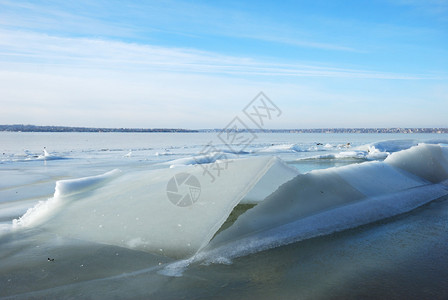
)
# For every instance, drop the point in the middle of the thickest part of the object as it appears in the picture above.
(62, 128)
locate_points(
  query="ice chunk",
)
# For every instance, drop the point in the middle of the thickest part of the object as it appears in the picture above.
(324, 190)
(283, 148)
(64, 189)
(199, 159)
(304, 195)
(72, 186)
(322, 223)
(134, 210)
(393, 145)
(426, 161)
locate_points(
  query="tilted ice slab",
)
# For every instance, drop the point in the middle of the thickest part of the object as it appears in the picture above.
(326, 201)
(133, 210)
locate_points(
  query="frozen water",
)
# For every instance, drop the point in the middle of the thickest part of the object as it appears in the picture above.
(120, 229)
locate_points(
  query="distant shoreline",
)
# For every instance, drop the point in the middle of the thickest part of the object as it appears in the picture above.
(36, 128)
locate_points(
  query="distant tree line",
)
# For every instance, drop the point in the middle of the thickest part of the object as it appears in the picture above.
(34, 128)
(338, 130)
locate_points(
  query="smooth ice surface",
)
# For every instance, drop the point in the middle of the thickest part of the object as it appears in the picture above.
(132, 210)
(274, 177)
(377, 178)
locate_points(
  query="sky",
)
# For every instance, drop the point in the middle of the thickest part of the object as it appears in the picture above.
(198, 64)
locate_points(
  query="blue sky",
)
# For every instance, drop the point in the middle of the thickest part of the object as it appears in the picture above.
(196, 64)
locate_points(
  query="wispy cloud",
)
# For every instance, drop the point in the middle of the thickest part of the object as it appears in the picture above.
(22, 48)
(167, 17)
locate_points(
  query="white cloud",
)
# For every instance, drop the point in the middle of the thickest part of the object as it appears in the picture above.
(91, 82)
(25, 48)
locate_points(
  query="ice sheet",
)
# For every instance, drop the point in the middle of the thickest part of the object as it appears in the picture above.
(133, 209)
(325, 190)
